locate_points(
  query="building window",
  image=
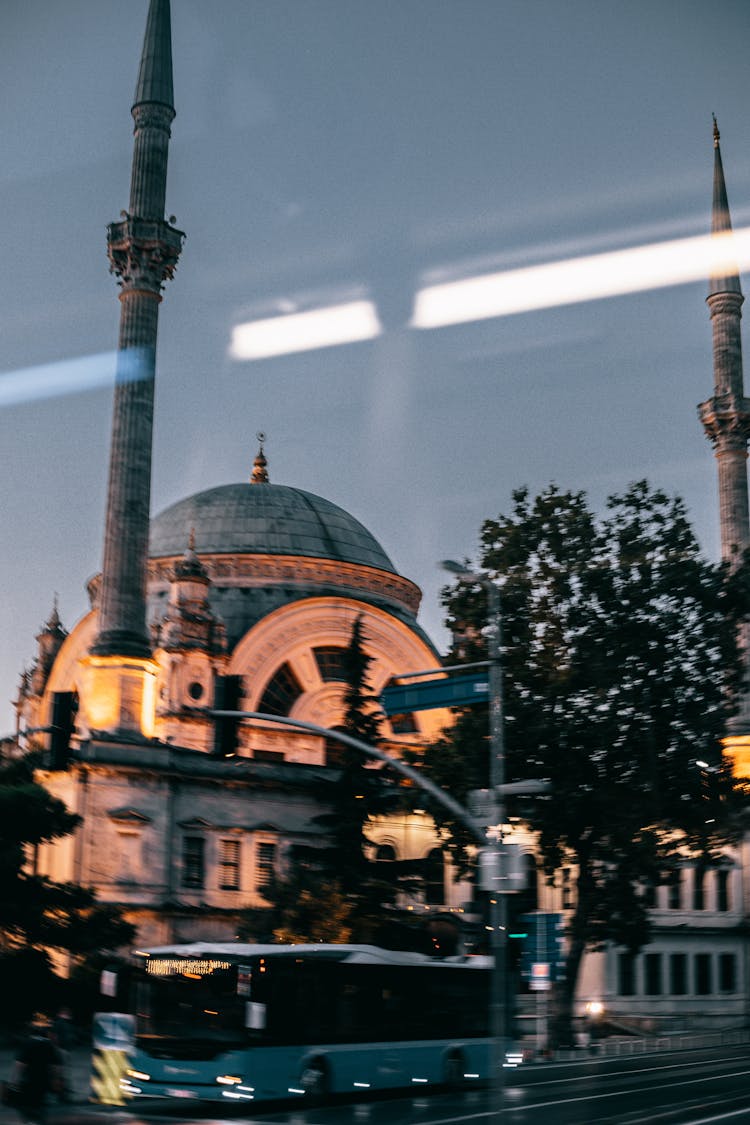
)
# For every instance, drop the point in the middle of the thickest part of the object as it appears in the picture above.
(678, 974)
(268, 755)
(567, 889)
(674, 896)
(330, 661)
(127, 857)
(703, 974)
(404, 724)
(335, 751)
(193, 861)
(265, 865)
(433, 878)
(722, 889)
(652, 963)
(649, 895)
(699, 889)
(727, 972)
(229, 865)
(282, 691)
(626, 974)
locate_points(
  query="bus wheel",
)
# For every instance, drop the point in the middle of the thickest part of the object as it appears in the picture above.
(454, 1068)
(315, 1081)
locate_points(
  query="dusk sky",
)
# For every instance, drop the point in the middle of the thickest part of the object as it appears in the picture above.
(332, 150)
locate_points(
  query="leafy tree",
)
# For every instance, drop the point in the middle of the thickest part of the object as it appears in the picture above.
(39, 917)
(620, 664)
(335, 892)
(358, 793)
(304, 908)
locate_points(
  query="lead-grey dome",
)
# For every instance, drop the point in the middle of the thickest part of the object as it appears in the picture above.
(268, 519)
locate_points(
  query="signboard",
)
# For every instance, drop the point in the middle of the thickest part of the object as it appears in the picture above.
(543, 944)
(113, 1031)
(540, 976)
(448, 691)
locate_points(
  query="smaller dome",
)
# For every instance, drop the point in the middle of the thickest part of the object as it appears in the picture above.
(267, 519)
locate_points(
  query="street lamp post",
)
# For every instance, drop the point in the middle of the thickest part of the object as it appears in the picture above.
(497, 912)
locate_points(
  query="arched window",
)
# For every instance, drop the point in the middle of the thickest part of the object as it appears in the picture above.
(281, 693)
(330, 661)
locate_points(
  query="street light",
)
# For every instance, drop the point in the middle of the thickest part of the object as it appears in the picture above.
(498, 913)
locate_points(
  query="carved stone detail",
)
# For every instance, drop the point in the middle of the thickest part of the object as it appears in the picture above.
(261, 570)
(153, 115)
(726, 420)
(143, 253)
(730, 303)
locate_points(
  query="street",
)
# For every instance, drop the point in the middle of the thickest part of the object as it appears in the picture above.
(685, 1088)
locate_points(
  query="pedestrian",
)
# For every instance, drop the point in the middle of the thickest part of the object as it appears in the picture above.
(36, 1072)
(64, 1037)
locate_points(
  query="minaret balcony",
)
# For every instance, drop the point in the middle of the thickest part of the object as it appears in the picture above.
(726, 420)
(143, 253)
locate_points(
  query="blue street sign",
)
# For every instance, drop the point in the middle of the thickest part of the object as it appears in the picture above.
(449, 691)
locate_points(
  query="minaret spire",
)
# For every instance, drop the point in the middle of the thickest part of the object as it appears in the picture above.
(143, 251)
(721, 222)
(726, 416)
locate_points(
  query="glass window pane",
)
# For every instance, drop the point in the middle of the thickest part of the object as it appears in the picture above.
(653, 974)
(678, 974)
(229, 865)
(193, 861)
(264, 868)
(626, 974)
(703, 974)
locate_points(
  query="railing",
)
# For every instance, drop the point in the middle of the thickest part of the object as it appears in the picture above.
(678, 1041)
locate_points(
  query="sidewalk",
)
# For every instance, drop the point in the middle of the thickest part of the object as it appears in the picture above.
(78, 1075)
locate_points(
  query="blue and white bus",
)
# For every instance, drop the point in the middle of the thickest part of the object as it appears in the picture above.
(261, 1022)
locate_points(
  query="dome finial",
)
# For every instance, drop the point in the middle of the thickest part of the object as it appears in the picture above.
(717, 134)
(259, 474)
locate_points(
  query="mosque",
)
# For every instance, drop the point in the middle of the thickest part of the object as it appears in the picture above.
(243, 597)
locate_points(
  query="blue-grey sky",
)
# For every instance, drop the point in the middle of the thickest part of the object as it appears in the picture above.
(325, 148)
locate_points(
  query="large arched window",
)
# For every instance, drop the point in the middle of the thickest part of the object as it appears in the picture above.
(330, 661)
(281, 693)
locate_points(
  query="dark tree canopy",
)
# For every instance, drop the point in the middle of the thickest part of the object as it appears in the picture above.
(620, 666)
(39, 916)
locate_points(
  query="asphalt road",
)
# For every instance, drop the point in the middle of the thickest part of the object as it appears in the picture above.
(708, 1087)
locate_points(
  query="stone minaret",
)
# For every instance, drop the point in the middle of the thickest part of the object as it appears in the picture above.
(726, 419)
(143, 251)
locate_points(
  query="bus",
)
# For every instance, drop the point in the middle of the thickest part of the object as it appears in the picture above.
(240, 1022)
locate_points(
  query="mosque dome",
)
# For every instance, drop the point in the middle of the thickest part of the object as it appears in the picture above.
(268, 519)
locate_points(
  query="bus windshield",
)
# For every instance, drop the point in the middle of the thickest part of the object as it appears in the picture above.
(193, 1002)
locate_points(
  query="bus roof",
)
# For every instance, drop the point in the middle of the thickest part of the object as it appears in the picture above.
(236, 951)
